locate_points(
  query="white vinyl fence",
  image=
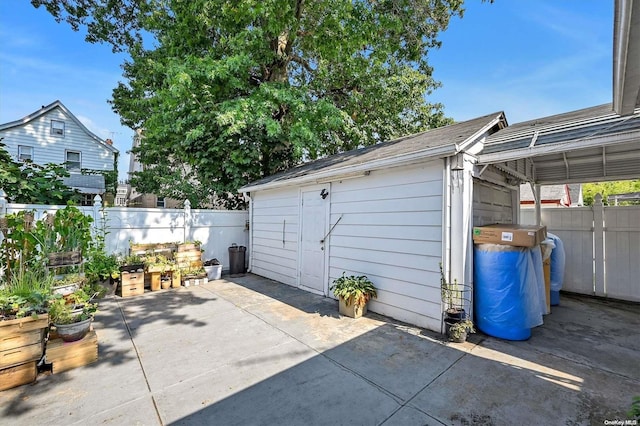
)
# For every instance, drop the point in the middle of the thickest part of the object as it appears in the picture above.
(602, 245)
(216, 229)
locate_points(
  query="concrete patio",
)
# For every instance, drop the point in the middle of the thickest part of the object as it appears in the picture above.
(249, 350)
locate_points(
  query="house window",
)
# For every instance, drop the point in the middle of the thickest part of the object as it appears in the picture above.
(57, 128)
(87, 199)
(73, 162)
(160, 202)
(25, 153)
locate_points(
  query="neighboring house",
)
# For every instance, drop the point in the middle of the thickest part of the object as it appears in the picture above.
(122, 194)
(54, 135)
(136, 199)
(565, 195)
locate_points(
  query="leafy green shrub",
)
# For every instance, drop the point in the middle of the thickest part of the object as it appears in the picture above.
(352, 289)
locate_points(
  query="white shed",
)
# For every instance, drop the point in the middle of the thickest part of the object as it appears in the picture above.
(393, 211)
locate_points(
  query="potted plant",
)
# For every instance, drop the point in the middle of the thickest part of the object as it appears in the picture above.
(65, 285)
(354, 293)
(452, 297)
(102, 269)
(132, 263)
(23, 317)
(72, 320)
(193, 275)
(68, 236)
(458, 331)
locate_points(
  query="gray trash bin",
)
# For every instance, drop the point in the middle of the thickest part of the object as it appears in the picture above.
(236, 259)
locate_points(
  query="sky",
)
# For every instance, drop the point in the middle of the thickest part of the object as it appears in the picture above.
(528, 58)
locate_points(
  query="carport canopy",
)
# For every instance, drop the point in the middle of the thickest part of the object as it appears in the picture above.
(589, 145)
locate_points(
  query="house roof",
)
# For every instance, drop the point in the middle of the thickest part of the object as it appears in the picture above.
(591, 144)
(86, 184)
(626, 56)
(560, 193)
(436, 143)
(51, 107)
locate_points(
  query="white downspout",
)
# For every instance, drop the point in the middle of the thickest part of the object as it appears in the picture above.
(247, 195)
(461, 260)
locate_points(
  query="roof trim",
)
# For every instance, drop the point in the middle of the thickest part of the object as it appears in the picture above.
(626, 57)
(46, 109)
(440, 151)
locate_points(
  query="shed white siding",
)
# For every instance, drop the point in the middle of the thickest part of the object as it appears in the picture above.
(391, 230)
(275, 226)
(48, 148)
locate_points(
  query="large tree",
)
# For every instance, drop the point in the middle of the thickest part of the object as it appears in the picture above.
(226, 92)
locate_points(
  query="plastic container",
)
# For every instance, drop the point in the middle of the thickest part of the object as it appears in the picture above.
(236, 259)
(558, 259)
(507, 295)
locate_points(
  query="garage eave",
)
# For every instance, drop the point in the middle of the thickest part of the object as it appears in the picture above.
(626, 57)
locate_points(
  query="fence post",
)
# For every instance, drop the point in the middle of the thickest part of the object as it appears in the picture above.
(97, 217)
(598, 247)
(187, 221)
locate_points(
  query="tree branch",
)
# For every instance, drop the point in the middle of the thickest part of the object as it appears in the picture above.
(305, 64)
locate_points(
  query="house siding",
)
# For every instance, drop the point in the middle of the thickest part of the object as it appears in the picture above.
(391, 230)
(275, 226)
(48, 148)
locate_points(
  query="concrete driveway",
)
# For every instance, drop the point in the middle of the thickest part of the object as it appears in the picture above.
(252, 351)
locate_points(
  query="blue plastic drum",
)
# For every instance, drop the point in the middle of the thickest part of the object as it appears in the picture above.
(503, 291)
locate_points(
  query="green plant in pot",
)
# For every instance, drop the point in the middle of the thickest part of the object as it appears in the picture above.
(102, 269)
(459, 331)
(131, 263)
(452, 298)
(26, 294)
(72, 320)
(354, 293)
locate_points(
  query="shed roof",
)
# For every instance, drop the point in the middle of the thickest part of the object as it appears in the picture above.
(86, 184)
(435, 143)
(590, 144)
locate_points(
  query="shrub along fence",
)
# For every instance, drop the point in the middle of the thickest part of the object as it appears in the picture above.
(217, 230)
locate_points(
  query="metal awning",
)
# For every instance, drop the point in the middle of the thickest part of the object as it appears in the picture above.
(588, 145)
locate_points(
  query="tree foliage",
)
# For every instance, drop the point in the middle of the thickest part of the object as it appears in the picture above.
(31, 183)
(589, 191)
(227, 92)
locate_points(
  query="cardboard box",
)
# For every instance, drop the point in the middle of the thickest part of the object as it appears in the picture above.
(513, 235)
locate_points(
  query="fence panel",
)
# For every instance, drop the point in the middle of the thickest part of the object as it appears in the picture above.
(622, 252)
(217, 230)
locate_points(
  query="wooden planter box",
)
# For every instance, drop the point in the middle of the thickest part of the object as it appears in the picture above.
(188, 259)
(64, 356)
(353, 310)
(18, 375)
(21, 340)
(154, 274)
(188, 247)
(131, 284)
